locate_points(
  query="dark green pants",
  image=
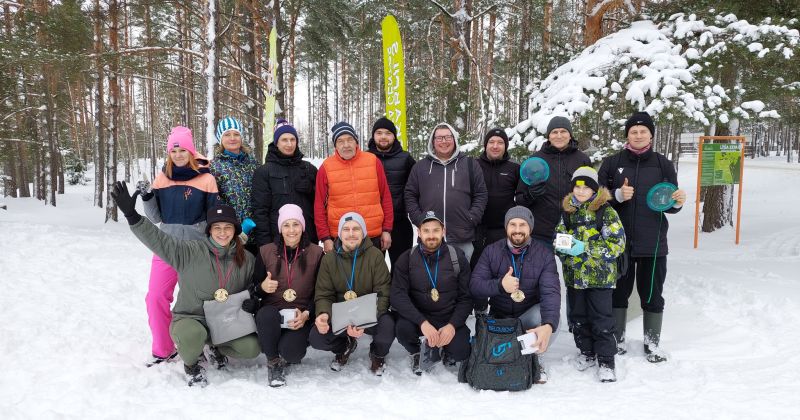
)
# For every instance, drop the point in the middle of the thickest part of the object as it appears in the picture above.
(190, 336)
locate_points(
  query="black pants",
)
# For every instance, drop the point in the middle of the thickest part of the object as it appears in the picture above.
(649, 283)
(593, 323)
(382, 338)
(276, 341)
(408, 334)
(402, 237)
(483, 237)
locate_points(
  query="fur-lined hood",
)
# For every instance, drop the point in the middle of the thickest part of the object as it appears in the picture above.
(600, 198)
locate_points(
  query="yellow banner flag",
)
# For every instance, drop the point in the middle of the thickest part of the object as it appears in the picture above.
(394, 78)
(269, 92)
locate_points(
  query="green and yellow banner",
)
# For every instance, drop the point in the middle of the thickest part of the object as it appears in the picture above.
(269, 92)
(394, 77)
(721, 164)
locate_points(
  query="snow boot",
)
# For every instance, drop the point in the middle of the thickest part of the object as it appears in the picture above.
(585, 361)
(620, 318)
(652, 337)
(429, 357)
(606, 372)
(377, 364)
(215, 359)
(415, 364)
(195, 375)
(156, 360)
(541, 374)
(339, 360)
(276, 371)
(448, 360)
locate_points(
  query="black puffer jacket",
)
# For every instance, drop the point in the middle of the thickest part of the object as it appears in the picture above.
(397, 164)
(282, 180)
(546, 208)
(501, 178)
(411, 288)
(644, 228)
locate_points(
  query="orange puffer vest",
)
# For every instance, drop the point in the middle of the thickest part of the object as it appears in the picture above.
(353, 186)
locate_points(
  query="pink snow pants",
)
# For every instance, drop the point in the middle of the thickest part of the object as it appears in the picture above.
(158, 300)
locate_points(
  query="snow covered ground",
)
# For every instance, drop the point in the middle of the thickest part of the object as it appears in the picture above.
(75, 338)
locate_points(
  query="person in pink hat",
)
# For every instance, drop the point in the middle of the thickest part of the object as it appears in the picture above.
(179, 199)
(284, 279)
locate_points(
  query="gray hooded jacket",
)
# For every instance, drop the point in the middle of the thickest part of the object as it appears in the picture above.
(452, 187)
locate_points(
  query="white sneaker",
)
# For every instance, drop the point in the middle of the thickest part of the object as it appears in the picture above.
(583, 362)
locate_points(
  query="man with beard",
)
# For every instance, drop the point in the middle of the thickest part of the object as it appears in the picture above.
(430, 293)
(519, 277)
(397, 164)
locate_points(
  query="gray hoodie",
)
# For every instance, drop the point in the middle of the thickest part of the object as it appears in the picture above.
(453, 187)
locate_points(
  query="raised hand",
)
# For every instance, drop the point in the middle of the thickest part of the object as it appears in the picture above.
(509, 282)
(269, 285)
(626, 190)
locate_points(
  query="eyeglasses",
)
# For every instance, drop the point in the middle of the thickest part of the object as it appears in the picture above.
(443, 139)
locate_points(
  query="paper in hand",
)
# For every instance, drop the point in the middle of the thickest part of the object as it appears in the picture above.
(526, 341)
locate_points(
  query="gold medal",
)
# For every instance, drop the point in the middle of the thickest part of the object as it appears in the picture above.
(518, 296)
(221, 295)
(350, 295)
(434, 295)
(289, 295)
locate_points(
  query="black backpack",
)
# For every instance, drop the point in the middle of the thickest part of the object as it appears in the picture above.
(622, 260)
(496, 362)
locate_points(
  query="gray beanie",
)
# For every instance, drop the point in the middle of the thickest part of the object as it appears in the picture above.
(585, 175)
(519, 212)
(354, 217)
(559, 122)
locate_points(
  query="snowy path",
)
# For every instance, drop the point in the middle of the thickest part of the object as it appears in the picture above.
(75, 333)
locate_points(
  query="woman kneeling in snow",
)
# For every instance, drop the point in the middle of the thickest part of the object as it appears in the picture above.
(209, 270)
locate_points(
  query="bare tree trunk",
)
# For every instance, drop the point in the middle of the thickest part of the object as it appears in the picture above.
(113, 88)
(99, 146)
(210, 48)
(151, 92)
(254, 110)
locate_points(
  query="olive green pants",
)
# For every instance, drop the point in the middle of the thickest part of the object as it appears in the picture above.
(190, 336)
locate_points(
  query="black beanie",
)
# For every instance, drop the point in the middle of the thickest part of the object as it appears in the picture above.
(497, 131)
(386, 123)
(559, 122)
(340, 129)
(640, 118)
(222, 213)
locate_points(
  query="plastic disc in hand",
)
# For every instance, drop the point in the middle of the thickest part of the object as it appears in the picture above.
(659, 198)
(534, 170)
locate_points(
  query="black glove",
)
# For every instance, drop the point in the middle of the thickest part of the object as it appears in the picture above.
(144, 189)
(125, 201)
(537, 190)
(250, 305)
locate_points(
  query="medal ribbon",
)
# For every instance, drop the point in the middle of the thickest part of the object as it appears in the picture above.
(514, 262)
(352, 279)
(291, 264)
(433, 278)
(219, 271)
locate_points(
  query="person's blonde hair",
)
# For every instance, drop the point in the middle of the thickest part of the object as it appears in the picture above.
(170, 164)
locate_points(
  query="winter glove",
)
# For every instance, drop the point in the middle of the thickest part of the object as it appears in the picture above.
(578, 247)
(537, 190)
(125, 201)
(248, 225)
(250, 305)
(144, 189)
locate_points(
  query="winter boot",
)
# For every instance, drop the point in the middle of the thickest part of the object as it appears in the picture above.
(215, 359)
(429, 356)
(606, 372)
(158, 359)
(339, 360)
(276, 370)
(377, 364)
(448, 360)
(541, 374)
(585, 361)
(415, 364)
(652, 336)
(620, 319)
(195, 375)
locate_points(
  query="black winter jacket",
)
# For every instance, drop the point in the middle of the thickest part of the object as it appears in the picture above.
(546, 208)
(501, 178)
(282, 180)
(643, 226)
(411, 288)
(397, 165)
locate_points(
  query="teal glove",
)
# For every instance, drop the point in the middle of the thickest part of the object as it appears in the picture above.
(248, 225)
(578, 247)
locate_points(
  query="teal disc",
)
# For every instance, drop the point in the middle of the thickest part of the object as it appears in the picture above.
(534, 170)
(659, 198)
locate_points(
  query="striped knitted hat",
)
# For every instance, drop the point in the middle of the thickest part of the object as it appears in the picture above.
(342, 128)
(585, 175)
(228, 123)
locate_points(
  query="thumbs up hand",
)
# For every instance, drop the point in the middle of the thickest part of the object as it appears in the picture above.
(626, 190)
(269, 285)
(510, 283)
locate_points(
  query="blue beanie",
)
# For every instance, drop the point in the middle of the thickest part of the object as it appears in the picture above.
(342, 128)
(228, 123)
(282, 127)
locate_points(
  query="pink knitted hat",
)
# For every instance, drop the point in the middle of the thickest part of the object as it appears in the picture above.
(291, 211)
(181, 137)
